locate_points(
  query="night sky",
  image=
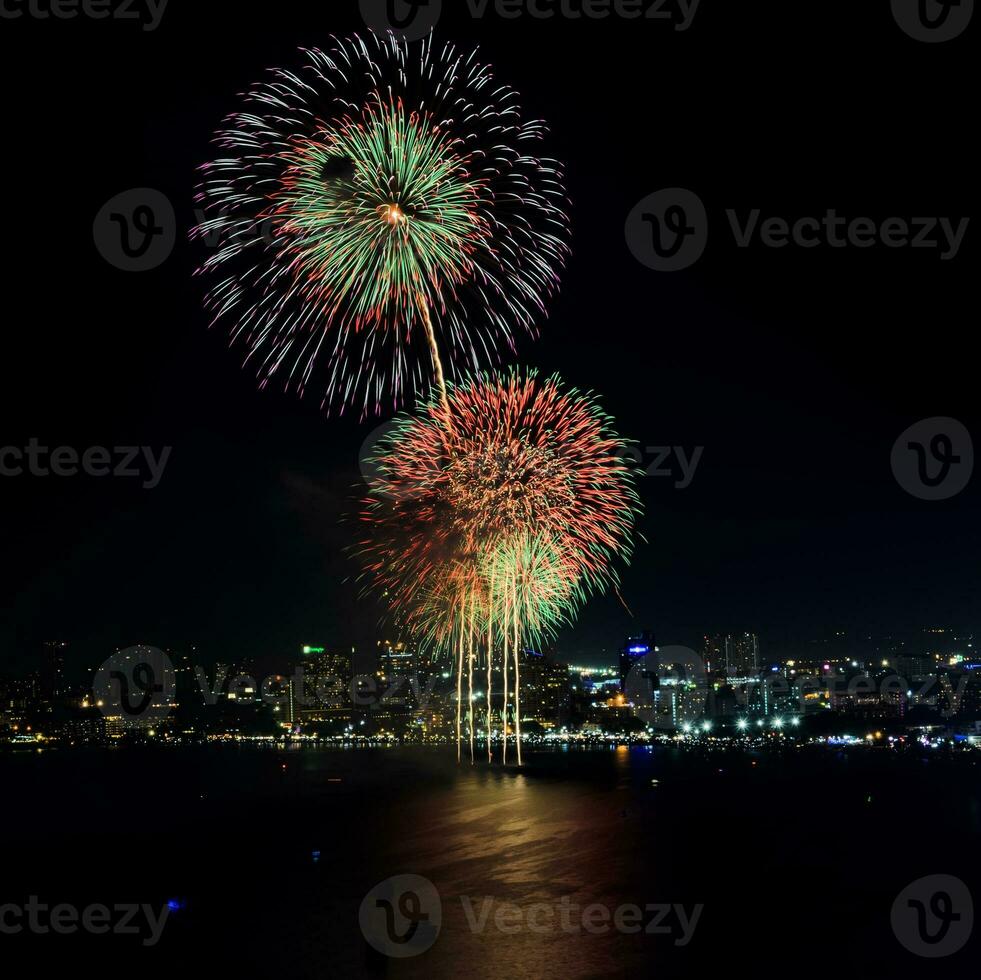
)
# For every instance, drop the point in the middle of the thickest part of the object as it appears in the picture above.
(795, 369)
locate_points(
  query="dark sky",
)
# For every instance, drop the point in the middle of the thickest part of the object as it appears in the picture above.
(795, 369)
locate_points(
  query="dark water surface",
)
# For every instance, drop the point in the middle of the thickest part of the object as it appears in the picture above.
(796, 861)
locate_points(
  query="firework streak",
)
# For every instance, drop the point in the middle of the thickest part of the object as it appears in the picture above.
(498, 511)
(379, 205)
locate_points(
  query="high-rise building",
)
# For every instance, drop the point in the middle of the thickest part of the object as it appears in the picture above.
(545, 689)
(742, 653)
(397, 662)
(18, 699)
(714, 653)
(325, 695)
(397, 684)
(633, 654)
(677, 702)
(53, 670)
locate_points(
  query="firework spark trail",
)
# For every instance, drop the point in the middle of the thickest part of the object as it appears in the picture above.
(376, 213)
(490, 667)
(517, 692)
(470, 666)
(434, 352)
(459, 698)
(500, 511)
(504, 711)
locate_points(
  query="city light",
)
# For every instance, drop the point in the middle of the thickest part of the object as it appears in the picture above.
(418, 704)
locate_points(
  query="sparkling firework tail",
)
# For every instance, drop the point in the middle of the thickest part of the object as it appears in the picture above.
(434, 352)
(504, 712)
(517, 692)
(470, 664)
(490, 666)
(459, 697)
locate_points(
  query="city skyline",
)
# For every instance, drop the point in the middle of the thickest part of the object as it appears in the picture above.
(403, 692)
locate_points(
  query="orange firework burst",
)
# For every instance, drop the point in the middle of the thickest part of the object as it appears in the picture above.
(497, 512)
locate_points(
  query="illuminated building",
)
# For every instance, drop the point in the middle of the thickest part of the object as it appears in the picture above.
(323, 696)
(52, 675)
(18, 699)
(634, 652)
(396, 660)
(545, 690)
(714, 653)
(679, 698)
(397, 677)
(742, 656)
(917, 666)
(81, 727)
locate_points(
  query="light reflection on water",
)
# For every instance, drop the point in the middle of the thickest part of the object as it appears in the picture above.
(766, 843)
(522, 841)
